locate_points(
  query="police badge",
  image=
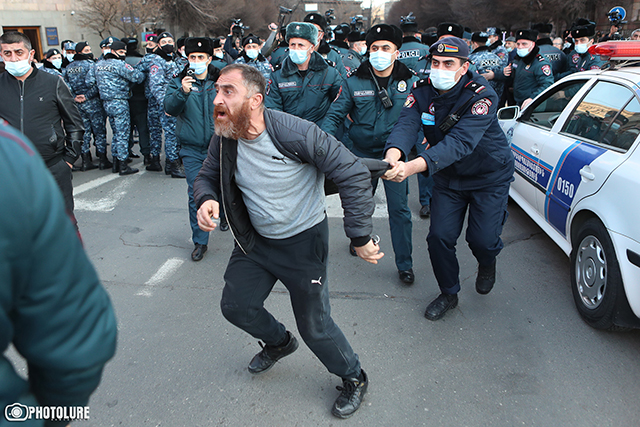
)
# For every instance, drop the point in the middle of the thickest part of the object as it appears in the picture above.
(402, 86)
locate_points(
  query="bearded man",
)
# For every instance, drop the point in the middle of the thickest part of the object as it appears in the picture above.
(268, 168)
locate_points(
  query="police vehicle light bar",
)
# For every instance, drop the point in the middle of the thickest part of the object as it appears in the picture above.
(618, 50)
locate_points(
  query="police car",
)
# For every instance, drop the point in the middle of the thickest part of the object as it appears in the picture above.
(577, 156)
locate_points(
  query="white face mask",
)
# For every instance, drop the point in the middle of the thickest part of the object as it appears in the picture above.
(381, 60)
(252, 53)
(443, 79)
(522, 52)
(582, 48)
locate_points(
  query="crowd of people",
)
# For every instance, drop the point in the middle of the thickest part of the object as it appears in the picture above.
(263, 129)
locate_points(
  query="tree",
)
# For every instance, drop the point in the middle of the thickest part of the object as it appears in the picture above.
(117, 17)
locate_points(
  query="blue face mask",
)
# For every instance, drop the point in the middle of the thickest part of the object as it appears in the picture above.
(522, 52)
(70, 56)
(363, 51)
(252, 53)
(581, 48)
(298, 56)
(198, 67)
(380, 60)
(443, 79)
(18, 68)
(509, 49)
(57, 63)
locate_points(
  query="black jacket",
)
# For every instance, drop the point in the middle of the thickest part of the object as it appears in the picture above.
(46, 104)
(301, 141)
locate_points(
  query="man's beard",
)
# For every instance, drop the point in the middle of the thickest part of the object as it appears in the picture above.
(232, 126)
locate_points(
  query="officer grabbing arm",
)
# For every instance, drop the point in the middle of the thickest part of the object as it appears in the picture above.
(469, 159)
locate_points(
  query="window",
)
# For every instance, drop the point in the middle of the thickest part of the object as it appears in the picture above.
(545, 111)
(599, 111)
(625, 127)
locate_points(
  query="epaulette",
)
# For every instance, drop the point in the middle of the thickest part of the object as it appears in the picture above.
(476, 87)
(331, 63)
(421, 82)
(277, 66)
(351, 72)
(540, 58)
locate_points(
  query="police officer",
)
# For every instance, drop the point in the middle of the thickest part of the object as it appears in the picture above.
(88, 101)
(114, 78)
(531, 72)
(580, 59)
(485, 60)
(251, 55)
(190, 99)
(555, 56)
(52, 62)
(495, 44)
(161, 70)
(305, 84)
(373, 97)
(105, 46)
(323, 47)
(154, 123)
(412, 48)
(339, 42)
(68, 51)
(357, 51)
(470, 161)
(220, 58)
(281, 52)
(444, 29)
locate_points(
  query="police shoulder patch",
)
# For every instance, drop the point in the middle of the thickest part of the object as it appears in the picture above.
(129, 67)
(408, 103)
(546, 70)
(331, 63)
(277, 67)
(595, 67)
(540, 58)
(481, 108)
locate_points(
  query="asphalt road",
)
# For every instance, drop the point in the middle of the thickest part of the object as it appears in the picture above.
(518, 356)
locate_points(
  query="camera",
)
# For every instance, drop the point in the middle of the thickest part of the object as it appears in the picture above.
(238, 28)
(357, 23)
(283, 17)
(329, 16)
(409, 19)
(16, 412)
(616, 16)
(190, 72)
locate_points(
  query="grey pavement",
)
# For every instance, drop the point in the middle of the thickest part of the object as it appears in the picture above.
(518, 356)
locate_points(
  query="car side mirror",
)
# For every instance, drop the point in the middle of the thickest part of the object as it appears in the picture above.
(509, 113)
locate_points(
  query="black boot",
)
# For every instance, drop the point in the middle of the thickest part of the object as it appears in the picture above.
(486, 278)
(147, 160)
(103, 161)
(154, 164)
(175, 169)
(116, 166)
(87, 162)
(167, 170)
(125, 169)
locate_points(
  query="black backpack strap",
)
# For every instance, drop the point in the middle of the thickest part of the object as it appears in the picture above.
(454, 118)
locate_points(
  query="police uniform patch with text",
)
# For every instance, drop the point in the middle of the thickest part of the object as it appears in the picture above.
(410, 101)
(428, 119)
(358, 93)
(402, 86)
(546, 70)
(129, 67)
(481, 108)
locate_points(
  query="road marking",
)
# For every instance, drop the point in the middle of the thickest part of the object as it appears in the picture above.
(110, 201)
(169, 267)
(94, 183)
(334, 205)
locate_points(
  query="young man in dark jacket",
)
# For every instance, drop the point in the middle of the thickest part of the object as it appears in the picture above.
(39, 105)
(190, 98)
(268, 169)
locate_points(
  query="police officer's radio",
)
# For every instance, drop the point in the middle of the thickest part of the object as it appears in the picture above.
(382, 93)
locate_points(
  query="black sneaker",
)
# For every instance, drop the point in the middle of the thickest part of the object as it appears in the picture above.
(224, 225)
(353, 391)
(486, 278)
(269, 355)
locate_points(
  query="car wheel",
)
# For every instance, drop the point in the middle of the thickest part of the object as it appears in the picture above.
(596, 282)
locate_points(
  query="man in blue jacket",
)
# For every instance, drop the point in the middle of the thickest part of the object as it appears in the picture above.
(190, 99)
(469, 159)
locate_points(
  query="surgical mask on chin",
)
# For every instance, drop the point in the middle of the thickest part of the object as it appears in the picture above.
(198, 67)
(18, 68)
(581, 48)
(522, 52)
(380, 60)
(57, 63)
(509, 49)
(298, 56)
(252, 53)
(487, 43)
(219, 55)
(443, 79)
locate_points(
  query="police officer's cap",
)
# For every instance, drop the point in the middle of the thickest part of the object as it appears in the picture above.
(384, 32)
(63, 42)
(198, 44)
(216, 43)
(70, 46)
(511, 39)
(467, 33)
(450, 29)
(409, 27)
(80, 46)
(479, 37)
(583, 28)
(316, 18)
(52, 52)
(531, 35)
(107, 42)
(132, 43)
(118, 45)
(356, 36)
(250, 39)
(302, 30)
(542, 27)
(180, 42)
(453, 47)
(164, 35)
(342, 31)
(153, 39)
(429, 38)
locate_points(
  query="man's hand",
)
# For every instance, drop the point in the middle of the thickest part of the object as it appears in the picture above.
(404, 170)
(526, 102)
(69, 164)
(489, 75)
(273, 26)
(507, 70)
(80, 99)
(369, 252)
(187, 82)
(209, 209)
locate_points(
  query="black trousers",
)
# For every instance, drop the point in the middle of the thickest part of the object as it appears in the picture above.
(138, 111)
(300, 263)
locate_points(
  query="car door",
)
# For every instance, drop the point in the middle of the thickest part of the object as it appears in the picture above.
(592, 142)
(527, 137)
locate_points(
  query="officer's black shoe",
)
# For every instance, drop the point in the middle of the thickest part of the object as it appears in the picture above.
(115, 168)
(353, 391)
(407, 276)
(155, 165)
(425, 212)
(352, 250)
(125, 169)
(486, 278)
(440, 306)
(133, 155)
(147, 160)
(87, 162)
(224, 225)
(175, 170)
(198, 252)
(103, 162)
(166, 167)
(269, 355)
